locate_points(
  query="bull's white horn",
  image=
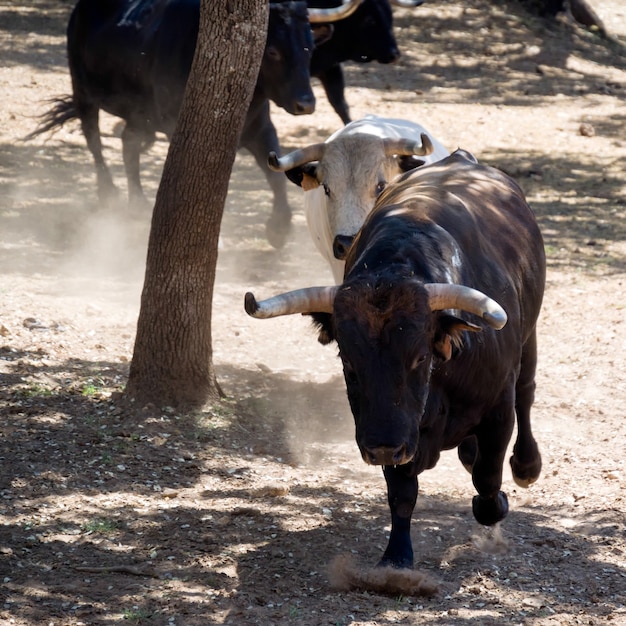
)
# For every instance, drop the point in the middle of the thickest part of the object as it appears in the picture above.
(406, 147)
(408, 4)
(333, 14)
(447, 296)
(307, 300)
(298, 157)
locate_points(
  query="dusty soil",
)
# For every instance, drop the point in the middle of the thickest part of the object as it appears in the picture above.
(233, 515)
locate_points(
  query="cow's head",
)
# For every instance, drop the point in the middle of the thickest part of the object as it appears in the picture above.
(352, 170)
(391, 332)
(284, 74)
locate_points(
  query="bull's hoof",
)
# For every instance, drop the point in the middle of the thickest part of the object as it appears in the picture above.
(277, 230)
(489, 511)
(525, 473)
(399, 552)
(402, 563)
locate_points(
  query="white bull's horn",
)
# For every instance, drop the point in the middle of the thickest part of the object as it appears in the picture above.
(407, 4)
(333, 14)
(298, 157)
(308, 300)
(406, 147)
(447, 296)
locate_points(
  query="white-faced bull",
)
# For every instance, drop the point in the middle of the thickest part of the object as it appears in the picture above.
(343, 176)
(436, 327)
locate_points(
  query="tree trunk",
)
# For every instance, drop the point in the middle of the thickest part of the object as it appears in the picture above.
(172, 362)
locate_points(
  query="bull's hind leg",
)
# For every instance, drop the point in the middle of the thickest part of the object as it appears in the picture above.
(402, 495)
(88, 114)
(134, 141)
(526, 459)
(492, 438)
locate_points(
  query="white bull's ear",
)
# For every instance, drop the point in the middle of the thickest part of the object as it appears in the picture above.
(309, 182)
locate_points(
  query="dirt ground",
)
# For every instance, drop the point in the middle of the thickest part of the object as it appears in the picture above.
(233, 515)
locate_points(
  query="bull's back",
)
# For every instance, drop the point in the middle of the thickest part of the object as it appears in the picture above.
(486, 214)
(115, 49)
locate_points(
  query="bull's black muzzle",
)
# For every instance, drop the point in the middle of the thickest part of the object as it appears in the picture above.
(383, 455)
(341, 245)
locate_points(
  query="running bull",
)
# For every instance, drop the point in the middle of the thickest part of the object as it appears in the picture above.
(436, 327)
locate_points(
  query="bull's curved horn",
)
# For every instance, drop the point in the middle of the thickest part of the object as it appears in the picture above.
(334, 14)
(298, 157)
(308, 300)
(406, 147)
(407, 4)
(447, 296)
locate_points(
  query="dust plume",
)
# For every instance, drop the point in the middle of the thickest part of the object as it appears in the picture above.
(346, 574)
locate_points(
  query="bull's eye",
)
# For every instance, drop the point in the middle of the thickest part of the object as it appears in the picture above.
(273, 53)
(379, 188)
(418, 360)
(326, 189)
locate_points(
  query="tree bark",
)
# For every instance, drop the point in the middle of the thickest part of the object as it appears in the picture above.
(172, 362)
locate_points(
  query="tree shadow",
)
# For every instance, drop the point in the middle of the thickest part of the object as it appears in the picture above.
(518, 58)
(40, 17)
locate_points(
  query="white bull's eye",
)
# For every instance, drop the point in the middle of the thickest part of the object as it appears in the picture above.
(380, 186)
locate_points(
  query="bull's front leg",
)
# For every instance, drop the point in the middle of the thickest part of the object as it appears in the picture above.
(491, 504)
(402, 487)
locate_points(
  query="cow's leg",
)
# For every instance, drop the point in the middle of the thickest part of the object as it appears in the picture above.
(260, 138)
(134, 141)
(526, 459)
(88, 114)
(492, 438)
(467, 452)
(334, 86)
(402, 489)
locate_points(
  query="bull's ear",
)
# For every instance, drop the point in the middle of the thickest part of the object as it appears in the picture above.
(324, 324)
(410, 162)
(449, 335)
(322, 33)
(296, 175)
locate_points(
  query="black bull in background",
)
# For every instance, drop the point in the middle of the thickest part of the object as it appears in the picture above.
(131, 58)
(436, 327)
(363, 36)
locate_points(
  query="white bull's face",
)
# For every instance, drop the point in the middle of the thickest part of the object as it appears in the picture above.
(353, 173)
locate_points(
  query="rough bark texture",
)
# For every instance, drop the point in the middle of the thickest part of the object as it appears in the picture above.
(172, 361)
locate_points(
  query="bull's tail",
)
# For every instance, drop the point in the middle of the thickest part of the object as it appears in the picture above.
(63, 110)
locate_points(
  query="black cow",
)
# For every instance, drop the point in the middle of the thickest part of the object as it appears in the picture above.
(132, 58)
(366, 35)
(450, 251)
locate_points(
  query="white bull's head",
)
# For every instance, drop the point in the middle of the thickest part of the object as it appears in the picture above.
(344, 176)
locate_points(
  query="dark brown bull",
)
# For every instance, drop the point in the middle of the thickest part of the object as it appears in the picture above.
(435, 323)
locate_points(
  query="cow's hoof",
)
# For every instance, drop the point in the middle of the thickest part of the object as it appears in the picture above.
(277, 230)
(138, 204)
(525, 473)
(489, 511)
(406, 563)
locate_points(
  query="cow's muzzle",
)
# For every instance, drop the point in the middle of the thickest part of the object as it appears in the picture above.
(341, 245)
(305, 105)
(383, 455)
